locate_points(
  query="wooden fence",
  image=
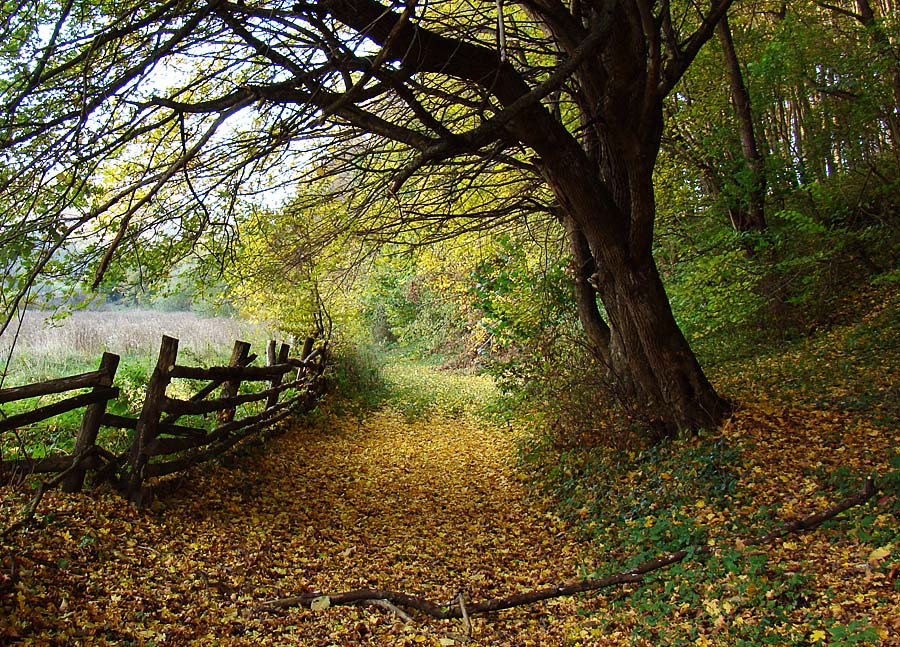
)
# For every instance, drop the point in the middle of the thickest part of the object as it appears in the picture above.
(159, 444)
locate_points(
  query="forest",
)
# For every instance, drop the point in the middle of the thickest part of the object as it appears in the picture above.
(609, 290)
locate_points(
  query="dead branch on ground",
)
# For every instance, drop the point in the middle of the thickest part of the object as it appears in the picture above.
(458, 609)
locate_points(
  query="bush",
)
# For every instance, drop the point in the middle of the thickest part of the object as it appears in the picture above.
(824, 241)
(355, 380)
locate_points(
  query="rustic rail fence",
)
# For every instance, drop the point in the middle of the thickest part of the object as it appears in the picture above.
(159, 444)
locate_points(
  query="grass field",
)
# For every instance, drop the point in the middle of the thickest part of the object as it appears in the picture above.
(43, 348)
(46, 348)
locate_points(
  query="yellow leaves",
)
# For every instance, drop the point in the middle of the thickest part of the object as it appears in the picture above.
(427, 505)
(879, 554)
(151, 634)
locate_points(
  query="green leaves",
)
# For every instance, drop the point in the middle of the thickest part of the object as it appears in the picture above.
(522, 291)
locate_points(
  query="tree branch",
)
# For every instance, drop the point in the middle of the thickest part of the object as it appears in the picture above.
(682, 59)
(633, 575)
(484, 133)
(177, 165)
(842, 11)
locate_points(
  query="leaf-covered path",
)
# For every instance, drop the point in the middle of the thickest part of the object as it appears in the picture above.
(430, 506)
(423, 497)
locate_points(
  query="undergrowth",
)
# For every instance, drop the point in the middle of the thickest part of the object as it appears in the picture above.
(816, 417)
(850, 367)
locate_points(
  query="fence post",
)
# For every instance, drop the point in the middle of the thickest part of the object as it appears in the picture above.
(270, 352)
(272, 359)
(230, 388)
(307, 348)
(148, 422)
(304, 353)
(90, 423)
(320, 371)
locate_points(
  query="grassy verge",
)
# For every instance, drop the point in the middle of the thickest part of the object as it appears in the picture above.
(366, 379)
(851, 367)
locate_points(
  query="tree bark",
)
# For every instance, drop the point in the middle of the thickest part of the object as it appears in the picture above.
(612, 203)
(596, 329)
(666, 382)
(883, 42)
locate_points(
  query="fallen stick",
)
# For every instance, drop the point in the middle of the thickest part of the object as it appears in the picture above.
(633, 575)
(387, 606)
(465, 615)
(43, 488)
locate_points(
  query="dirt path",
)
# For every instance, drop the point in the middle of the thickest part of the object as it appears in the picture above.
(429, 507)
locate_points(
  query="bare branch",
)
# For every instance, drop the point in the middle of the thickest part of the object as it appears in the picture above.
(631, 576)
(681, 60)
(174, 168)
(491, 129)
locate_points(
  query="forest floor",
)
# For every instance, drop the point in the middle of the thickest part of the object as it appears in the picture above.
(429, 505)
(428, 495)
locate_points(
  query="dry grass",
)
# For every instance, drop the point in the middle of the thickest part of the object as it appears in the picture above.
(46, 348)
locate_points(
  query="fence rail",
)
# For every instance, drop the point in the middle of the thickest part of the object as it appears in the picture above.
(61, 385)
(159, 444)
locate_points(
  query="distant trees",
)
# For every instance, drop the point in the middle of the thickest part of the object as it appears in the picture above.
(821, 80)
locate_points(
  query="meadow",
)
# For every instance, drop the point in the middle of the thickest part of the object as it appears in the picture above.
(44, 347)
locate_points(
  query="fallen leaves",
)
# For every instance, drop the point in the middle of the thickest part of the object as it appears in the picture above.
(413, 499)
(433, 506)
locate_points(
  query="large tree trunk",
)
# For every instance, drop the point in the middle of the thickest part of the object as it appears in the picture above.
(656, 362)
(653, 365)
(655, 368)
(613, 208)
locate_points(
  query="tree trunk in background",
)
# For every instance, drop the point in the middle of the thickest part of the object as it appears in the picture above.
(866, 15)
(753, 216)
